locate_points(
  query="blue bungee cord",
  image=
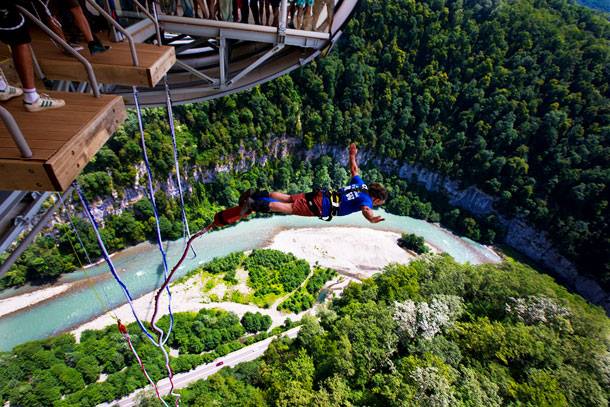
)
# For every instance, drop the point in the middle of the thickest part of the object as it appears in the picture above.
(108, 260)
(186, 232)
(163, 337)
(123, 286)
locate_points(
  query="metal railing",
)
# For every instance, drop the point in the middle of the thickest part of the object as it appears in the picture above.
(15, 132)
(118, 27)
(92, 79)
(152, 18)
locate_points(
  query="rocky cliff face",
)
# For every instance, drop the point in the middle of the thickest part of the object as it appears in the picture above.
(520, 236)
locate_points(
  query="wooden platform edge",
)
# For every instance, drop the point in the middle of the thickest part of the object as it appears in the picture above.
(15, 173)
(161, 67)
(83, 146)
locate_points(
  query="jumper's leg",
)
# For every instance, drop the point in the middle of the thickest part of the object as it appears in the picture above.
(281, 207)
(281, 197)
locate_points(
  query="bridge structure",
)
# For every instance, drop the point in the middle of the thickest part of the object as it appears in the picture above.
(192, 59)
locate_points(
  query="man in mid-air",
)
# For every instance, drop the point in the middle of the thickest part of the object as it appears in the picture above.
(356, 197)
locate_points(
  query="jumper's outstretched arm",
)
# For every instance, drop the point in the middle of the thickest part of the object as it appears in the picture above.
(353, 165)
(370, 215)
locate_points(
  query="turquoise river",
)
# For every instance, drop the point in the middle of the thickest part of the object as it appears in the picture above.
(140, 268)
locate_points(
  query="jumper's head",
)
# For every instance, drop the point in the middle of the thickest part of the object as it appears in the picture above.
(378, 193)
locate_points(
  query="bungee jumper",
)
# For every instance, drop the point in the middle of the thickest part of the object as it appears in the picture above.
(325, 204)
(356, 197)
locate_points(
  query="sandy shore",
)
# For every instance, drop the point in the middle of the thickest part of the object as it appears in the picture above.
(186, 297)
(13, 304)
(355, 252)
(360, 252)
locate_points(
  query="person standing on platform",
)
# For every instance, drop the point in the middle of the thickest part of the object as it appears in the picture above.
(14, 33)
(56, 8)
(226, 10)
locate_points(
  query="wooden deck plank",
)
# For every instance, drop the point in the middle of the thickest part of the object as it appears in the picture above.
(63, 140)
(111, 67)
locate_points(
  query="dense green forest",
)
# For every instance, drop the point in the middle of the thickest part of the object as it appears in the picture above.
(271, 275)
(432, 333)
(60, 372)
(510, 96)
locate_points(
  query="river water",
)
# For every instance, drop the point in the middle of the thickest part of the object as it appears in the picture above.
(140, 268)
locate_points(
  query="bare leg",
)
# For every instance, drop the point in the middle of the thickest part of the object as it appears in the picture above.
(267, 12)
(211, 10)
(307, 19)
(292, 10)
(81, 22)
(276, 13)
(22, 58)
(281, 207)
(281, 197)
(300, 13)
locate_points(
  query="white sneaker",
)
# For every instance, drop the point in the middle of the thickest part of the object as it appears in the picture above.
(44, 102)
(10, 92)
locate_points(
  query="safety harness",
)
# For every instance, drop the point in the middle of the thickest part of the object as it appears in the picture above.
(334, 197)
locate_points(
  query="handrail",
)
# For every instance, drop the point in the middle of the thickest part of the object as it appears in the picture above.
(108, 17)
(151, 17)
(67, 48)
(15, 131)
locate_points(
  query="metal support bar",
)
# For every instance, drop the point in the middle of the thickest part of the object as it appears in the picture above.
(25, 243)
(23, 220)
(256, 63)
(223, 60)
(15, 131)
(197, 73)
(281, 29)
(108, 17)
(65, 46)
(150, 16)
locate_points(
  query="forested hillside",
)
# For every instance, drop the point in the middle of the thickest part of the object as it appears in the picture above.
(510, 96)
(603, 5)
(433, 333)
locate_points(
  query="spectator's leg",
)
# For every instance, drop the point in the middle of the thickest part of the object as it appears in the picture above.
(330, 11)
(81, 22)
(205, 12)
(226, 10)
(245, 11)
(267, 12)
(255, 15)
(307, 19)
(236, 8)
(276, 14)
(22, 58)
(211, 9)
(187, 8)
(300, 13)
(291, 12)
(318, 5)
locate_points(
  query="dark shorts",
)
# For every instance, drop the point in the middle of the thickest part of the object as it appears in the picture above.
(275, 3)
(13, 26)
(300, 207)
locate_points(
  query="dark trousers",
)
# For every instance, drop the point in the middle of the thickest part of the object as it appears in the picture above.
(245, 11)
